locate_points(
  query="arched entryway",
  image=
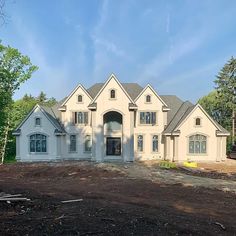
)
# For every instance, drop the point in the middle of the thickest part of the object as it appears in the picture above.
(112, 122)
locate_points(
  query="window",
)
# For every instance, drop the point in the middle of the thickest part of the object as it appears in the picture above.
(37, 121)
(140, 143)
(38, 143)
(155, 143)
(197, 144)
(80, 98)
(80, 117)
(88, 143)
(113, 94)
(72, 147)
(197, 121)
(148, 118)
(148, 98)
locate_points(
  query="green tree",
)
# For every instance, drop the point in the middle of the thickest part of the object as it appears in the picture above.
(226, 91)
(15, 69)
(42, 97)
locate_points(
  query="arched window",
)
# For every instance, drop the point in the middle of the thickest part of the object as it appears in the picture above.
(113, 94)
(37, 121)
(38, 143)
(80, 98)
(155, 143)
(197, 121)
(140, 143)
(197, 143)
(148, 98)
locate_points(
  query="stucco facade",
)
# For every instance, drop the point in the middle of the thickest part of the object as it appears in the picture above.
(123, 122)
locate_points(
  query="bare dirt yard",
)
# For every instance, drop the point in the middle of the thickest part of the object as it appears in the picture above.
(117, 199)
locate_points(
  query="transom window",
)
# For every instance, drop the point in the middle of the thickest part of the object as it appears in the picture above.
(88, 143)
(148, 118)
(155, 143)
(197, 144)
(38, 143)
(140, 143)
(72, 147)
(37, 121)
(148, 98)
(197, 121)
(80, 117)
(113, 94)
(80, 98)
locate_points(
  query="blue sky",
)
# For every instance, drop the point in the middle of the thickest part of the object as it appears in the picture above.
(177, 46)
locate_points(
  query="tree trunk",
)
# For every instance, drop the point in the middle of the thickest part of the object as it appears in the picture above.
(5, 140)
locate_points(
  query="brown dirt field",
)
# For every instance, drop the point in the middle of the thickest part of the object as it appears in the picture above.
(218, 170)
(113, 204)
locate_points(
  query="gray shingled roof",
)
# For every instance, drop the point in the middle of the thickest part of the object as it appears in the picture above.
(133, 89)
(52, 117)
(174, 103)
(179, 116)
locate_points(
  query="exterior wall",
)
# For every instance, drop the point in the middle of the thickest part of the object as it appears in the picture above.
(119, 104)
(28, 128)
(149, 130)
(214, 144)
(72, 105)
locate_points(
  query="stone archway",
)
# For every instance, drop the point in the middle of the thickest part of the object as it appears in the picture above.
(112, 123)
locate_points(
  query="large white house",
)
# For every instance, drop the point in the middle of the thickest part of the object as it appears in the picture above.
(120, 121)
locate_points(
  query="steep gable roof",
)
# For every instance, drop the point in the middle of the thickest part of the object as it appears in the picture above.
(152, 89)
(183, 111)
(72, 93)
(133, 89)
(50, 115)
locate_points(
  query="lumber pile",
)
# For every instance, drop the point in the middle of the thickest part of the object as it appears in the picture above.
(12, 197)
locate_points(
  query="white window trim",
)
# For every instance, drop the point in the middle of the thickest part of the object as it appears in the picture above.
(146, 99)
(148, 111)
(37, 117)
(82, 98)
(91, 139)
(158, 136)
(38, 153)
(137, 143)
(115, 98)
(197, 154)
(194, 120)
(80, 125)
(76, 148)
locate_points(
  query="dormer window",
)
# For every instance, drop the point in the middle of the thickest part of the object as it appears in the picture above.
(37, 121)
(113, 94)
(148, 98)
(80, 98)
(197, 121)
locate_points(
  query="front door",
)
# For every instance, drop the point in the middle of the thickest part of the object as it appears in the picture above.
(113, 146)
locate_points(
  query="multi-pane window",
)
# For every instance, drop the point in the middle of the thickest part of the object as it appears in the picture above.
(113, 94)
(155, 143)
(38, 143)
(72, 147)
(197, 121)
(88, 143)
(148, 118)
(80, 98)
(37, 121)
(197, 143)
(148, 98)
(140, 143)
(81, 117)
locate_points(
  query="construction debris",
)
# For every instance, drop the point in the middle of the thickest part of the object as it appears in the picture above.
(12, 197)
(74, 200)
